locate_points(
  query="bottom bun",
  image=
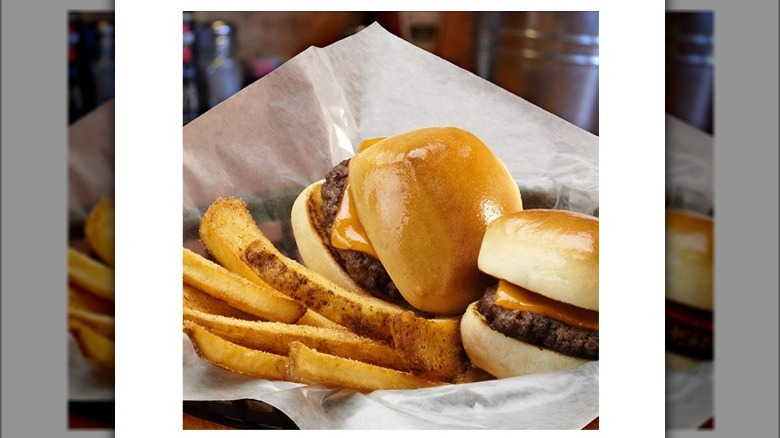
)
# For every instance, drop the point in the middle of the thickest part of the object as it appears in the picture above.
(503, 356)
(305, 220)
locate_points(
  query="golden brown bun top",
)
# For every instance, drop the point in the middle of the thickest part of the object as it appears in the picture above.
(424, 198)
(554, 253)
(689, 250)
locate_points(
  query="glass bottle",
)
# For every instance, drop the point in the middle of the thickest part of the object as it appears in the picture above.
(76, 94)
(190, 91)
(103, 68)
(224, 76)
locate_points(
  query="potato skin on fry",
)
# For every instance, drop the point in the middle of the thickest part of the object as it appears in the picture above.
(226, 229)
(234, 357)
(366, 316)
(310, 366)
(430, 347)
(276, 337)
(239, 292)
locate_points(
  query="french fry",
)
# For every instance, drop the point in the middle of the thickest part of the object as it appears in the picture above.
(99, 230)
(90, 274)
(276, 337)
(430, 347)
(234, 357)
(366, 316)
(315, 319)
(226, 229)
(198, 300)
(80, 299)
(310, 366)
(239, 292)
(472, 375)
(103, 324)
(95, 346)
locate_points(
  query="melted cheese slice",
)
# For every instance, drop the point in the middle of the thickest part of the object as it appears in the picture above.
(347, 232)
(514, 297)
(365, 144)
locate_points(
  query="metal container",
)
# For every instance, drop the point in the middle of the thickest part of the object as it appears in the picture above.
(548, 58)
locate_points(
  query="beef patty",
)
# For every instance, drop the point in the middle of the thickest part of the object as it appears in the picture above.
(364, 269)
(689, 331)
(539, 330)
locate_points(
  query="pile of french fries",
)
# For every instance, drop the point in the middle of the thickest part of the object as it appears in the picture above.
(255, 311)
(91, 287)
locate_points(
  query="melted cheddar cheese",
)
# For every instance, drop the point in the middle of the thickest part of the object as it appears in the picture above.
(347, 232)
(509, 296)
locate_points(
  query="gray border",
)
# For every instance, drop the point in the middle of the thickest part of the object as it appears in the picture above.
(33, 195)
(746, 216)
(34, 220)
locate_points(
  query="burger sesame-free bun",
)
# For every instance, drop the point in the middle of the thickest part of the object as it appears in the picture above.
(554, 253)
(424, 199)
(689, 248)
(503, 356)
(315, 254)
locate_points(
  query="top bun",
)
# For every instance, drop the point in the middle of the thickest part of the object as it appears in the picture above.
(689, 249)
(554, 253)
(424, 198)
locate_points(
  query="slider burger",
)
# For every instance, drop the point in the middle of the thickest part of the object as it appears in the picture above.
(689, 294)
(404, 218)
(542, 312)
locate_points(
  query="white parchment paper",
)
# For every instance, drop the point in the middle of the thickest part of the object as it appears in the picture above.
(689, 183)
(689, 166)
(90, 178)
(689, 397)
(289, 128)
(87, 381)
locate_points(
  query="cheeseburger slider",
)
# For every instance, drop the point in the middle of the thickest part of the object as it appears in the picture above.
(404, 218)
(542, 313)
(689, 295)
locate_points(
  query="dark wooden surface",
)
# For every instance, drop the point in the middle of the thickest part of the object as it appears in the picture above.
(96, 415)
(77, 422)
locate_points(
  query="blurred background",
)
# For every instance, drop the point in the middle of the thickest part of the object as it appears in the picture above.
(90, 61)
(689, 74)
(548, 58)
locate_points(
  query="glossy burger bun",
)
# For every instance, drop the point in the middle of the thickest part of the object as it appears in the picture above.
(503, 356)
(306, 220)
(689, 257)
(424, 199)
(554, 253)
